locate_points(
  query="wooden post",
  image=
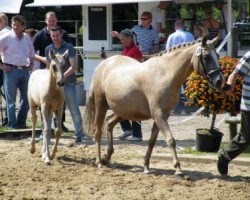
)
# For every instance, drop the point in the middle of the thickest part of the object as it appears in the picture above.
(233, 50)
(78, 58)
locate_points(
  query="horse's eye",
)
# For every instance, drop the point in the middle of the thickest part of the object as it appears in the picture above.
(54, 68)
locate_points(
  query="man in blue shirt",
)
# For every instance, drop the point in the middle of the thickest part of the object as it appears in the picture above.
(147, 36)
(179, 36)
(60, 46)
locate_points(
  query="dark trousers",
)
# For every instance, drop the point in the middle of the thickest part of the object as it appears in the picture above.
(135, 127)
(242, 140)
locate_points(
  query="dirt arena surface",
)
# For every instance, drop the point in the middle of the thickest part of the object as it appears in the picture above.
(73, 174)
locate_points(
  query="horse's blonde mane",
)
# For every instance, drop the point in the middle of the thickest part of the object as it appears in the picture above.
(178, 47)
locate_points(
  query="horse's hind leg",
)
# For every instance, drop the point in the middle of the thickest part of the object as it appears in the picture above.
(58, 132)
(151, 144)
(161, 121)
(101, 111)
(33, 120)
(111, 121)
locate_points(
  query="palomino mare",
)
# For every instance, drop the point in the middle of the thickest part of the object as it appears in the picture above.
(140, 91)
(45, 91)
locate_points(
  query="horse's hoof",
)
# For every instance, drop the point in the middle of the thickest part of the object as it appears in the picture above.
(99, 165)
(47, 163)
(146, 171)
(52, 157)
(32, 150)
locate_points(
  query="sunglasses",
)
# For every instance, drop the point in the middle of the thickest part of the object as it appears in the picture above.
(144, 18)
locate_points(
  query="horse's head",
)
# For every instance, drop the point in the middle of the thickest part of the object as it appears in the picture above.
(207, 62)
(58, 65)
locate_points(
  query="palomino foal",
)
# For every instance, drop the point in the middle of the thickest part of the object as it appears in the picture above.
(45, 90)
(140, 91)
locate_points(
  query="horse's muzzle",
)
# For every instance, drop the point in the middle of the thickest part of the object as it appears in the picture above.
(219, 81)
(60, 83)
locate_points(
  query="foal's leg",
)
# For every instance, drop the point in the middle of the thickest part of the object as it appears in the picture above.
(111, 121)
(46, 131)
(161, 121)
(34, 120)
(58, 131)
(151, 144)
(100, 114)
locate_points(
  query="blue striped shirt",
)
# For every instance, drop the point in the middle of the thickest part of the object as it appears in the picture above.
(146, 37)
(243, 69)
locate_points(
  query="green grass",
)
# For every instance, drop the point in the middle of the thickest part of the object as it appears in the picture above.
(190, 150)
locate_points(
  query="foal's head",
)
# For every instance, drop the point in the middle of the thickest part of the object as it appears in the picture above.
(58, 65)
(206, 62)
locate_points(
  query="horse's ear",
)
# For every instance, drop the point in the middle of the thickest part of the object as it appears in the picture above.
(204, 41)
(66, 54)
(215, 40)
(52, 53)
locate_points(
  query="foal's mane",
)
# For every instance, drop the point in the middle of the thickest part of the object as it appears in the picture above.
(178, 47)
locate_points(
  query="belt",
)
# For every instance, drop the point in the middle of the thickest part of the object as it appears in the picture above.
(16, 67)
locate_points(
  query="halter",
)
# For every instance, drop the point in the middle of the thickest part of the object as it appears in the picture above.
(207, 74)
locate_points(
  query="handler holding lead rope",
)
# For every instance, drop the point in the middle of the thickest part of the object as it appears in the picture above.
(242, 140)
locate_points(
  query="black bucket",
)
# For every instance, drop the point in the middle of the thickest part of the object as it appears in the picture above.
(208, 142)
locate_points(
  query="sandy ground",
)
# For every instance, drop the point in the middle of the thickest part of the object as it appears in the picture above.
(73, 174)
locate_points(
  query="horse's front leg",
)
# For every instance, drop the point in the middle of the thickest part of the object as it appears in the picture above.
(46, 134)
(33, 120)
(111, 121)
(151, 144)
(161, 121)
(58, 131)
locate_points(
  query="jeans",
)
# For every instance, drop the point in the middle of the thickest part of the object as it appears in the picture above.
(242, 140)
(135, 127)
(70, 99)
(14, 79)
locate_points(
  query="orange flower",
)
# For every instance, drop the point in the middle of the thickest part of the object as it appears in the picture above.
(200, 93)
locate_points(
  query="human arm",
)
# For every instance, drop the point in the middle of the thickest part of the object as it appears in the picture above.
(72, 69)
(155, 49)
(41, 59)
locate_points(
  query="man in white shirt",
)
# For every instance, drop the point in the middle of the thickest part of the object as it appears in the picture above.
(17, 62)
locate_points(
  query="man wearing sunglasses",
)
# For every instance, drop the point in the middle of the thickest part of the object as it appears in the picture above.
(147, 36)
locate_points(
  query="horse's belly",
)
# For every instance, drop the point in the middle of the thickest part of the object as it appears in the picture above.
(132, 106)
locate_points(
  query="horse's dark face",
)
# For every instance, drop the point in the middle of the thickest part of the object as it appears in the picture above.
(59, 64)
(208, 63)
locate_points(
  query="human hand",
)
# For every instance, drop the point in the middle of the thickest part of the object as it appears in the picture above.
(114, 33)
(6, 68)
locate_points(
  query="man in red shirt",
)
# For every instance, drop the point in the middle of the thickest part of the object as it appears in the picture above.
(131, 50)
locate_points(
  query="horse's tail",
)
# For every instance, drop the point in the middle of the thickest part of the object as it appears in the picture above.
(89, 114)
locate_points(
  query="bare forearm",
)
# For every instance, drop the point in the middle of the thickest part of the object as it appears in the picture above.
(231, 79)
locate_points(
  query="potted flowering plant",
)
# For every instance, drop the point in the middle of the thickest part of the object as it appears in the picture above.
(200, 93)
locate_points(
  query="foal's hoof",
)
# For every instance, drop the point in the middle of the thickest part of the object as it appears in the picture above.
(180, 176)
(47, 163)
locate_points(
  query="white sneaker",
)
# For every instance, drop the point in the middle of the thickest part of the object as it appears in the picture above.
(125, 134)
(132, 138)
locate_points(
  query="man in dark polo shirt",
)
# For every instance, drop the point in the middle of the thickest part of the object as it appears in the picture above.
(60, 46)
(41, 40)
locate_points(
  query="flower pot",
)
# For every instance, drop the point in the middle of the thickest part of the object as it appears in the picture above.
(207, 141)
